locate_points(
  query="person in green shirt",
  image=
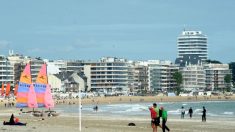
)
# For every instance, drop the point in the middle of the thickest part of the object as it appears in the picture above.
(164, 119)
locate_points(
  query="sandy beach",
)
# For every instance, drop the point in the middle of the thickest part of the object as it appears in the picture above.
(105, 123)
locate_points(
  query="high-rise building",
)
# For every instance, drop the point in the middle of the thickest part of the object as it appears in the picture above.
(192, 44)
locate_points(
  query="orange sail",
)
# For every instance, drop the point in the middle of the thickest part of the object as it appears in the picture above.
(8, 89)
(42, 75)
(2, 90)
(26, 75)
(16, 89)
(24, 87)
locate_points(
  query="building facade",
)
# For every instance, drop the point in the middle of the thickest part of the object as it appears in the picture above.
(193, 77)
(161, 75)
(6, 71)
(107, 75)
(215, 74)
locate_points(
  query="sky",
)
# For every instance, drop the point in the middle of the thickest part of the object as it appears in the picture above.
(131, 29)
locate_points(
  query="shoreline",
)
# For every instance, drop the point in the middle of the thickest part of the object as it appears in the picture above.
(144, 99)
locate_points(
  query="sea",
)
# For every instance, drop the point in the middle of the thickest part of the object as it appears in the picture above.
(221, 109)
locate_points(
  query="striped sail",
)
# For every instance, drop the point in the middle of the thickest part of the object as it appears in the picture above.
(40, 86)
(23, 88)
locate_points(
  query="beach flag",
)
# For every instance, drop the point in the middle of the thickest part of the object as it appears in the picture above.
(2, 90)
(40, 86)
(23, 87)
(8, 89)
(16, 89)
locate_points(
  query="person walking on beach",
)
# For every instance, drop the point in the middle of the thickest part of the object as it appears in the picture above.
(155, 119)
(182, 112)
(204, 114)
(164, 119)
(190, 112)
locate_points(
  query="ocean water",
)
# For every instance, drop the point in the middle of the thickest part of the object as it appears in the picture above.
(222, 109)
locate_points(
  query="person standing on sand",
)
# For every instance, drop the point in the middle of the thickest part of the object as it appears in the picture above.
(182, 112)
(190, 112)
(204, 114)
(164, 119)
(155, 119)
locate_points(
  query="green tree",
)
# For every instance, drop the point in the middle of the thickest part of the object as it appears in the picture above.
(227, 80)
(232, 67)
(213, 61)
(179, 79)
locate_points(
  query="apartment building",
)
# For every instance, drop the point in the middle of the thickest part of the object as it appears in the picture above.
(107, 75)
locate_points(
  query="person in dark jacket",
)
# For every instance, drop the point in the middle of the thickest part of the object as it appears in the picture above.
(190, 112)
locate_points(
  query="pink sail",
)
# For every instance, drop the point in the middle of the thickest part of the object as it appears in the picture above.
(32, 100)
(48, 100)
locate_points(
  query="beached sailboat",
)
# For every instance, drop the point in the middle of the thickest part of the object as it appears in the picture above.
(43, 91)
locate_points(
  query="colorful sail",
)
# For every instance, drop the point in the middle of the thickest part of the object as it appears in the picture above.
(23, 87)
(2, 90)
(16, 89)
(40, 85)
(32, 100)
(49, 103)
(42, 75)
(8, 89)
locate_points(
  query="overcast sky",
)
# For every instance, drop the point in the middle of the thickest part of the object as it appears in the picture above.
(132, 29)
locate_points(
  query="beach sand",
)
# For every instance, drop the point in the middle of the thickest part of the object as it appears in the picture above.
(96, 123)
(102, 124)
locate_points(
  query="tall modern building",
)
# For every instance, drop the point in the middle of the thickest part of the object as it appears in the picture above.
(193, 44)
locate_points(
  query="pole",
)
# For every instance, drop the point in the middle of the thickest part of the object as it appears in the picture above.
(80, 113)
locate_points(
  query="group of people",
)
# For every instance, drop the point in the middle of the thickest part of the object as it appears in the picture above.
(156, 114)
(190, 113)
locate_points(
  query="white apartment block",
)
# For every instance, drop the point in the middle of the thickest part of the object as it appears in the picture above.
(6, 71)
(215, 74)
(193, 77)
(107, 75)
(160, 75)
(192, 43)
